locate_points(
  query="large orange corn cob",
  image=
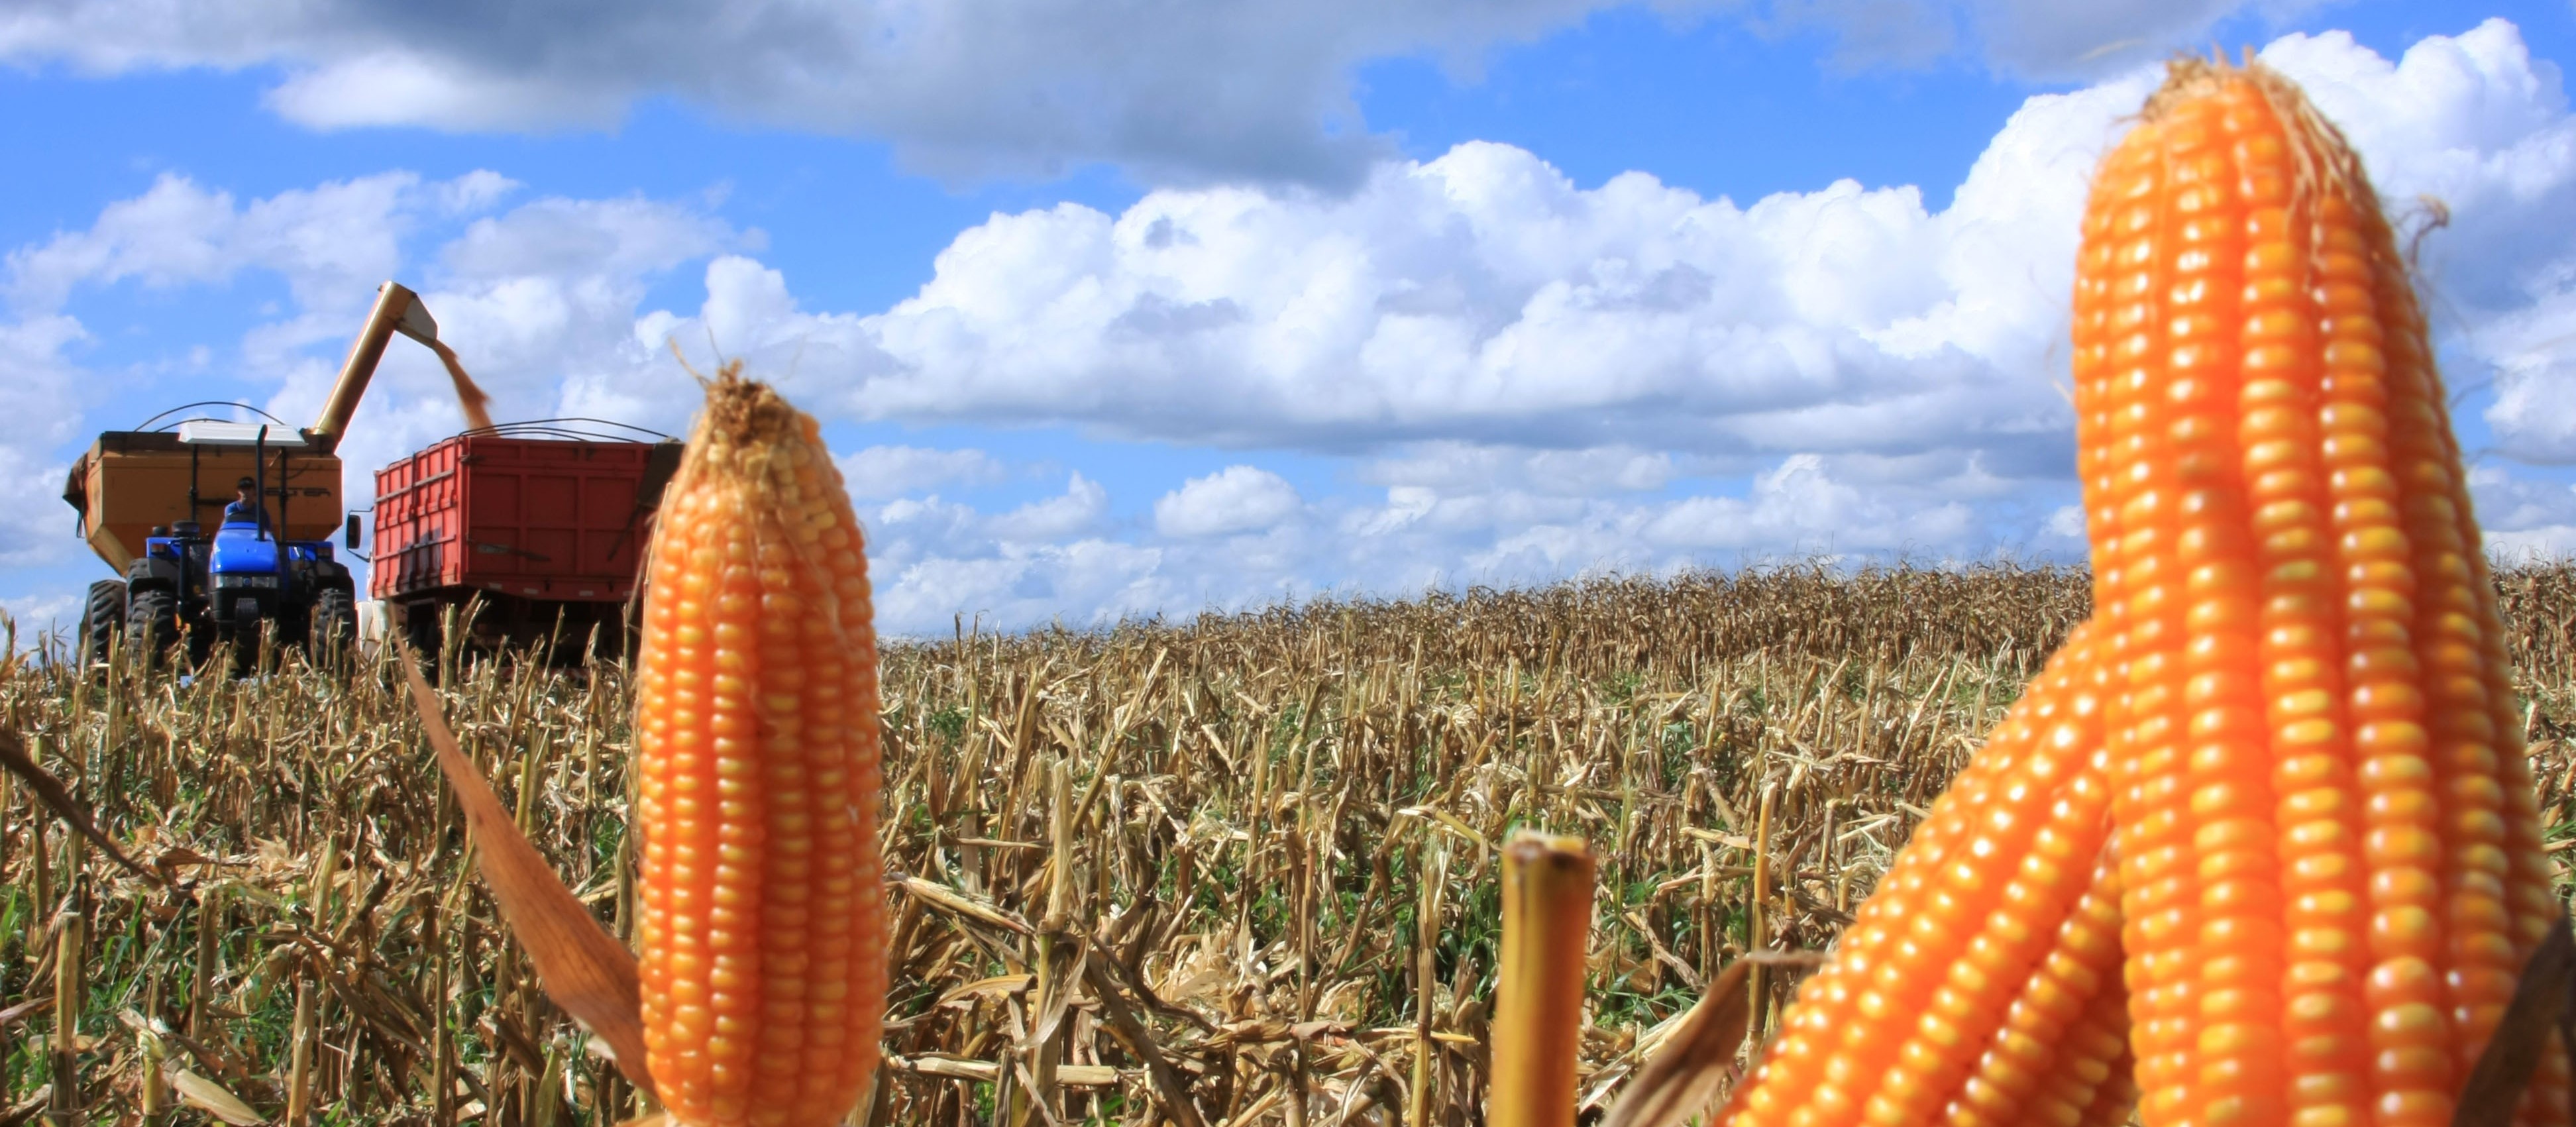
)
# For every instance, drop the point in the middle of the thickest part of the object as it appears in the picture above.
(2065, 1030)
(2329, 849)
(762, 925)
(1965, 990)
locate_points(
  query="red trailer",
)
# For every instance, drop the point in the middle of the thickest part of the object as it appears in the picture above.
(541, 527)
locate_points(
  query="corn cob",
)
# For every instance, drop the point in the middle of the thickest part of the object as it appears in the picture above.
(2058, 1041)
(2329, 844)
(762, 918)
(1993, 925)
(2115, 1102)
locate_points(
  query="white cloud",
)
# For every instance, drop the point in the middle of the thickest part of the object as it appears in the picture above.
(933, 524)
(1083, 583)
(1800, 508)
(1528, 365)
(1526, 378)
(1223, 88)
(1046, 560)
(1484, 298)
(331, 243)
(1467, 466)
(1228, 87)
(879, 472)
(38, 396)
(2524, 519)
(1077, 512)
(37, 619)
(934, 559)
(1233, 500)
(1796, 507)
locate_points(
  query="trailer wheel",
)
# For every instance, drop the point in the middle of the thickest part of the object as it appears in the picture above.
(421, 631)
(152, 623)
(331, 630)
(102, 619)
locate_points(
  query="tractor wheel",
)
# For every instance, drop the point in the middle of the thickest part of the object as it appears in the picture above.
(102, 619)
(331, 628)
(152, 623)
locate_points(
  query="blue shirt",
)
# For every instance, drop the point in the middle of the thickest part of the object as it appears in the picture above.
(246, 512)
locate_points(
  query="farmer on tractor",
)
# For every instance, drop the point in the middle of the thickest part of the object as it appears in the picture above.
(246, 508)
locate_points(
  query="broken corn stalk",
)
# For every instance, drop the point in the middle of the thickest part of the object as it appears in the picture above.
(2330, 852)
(762, 927)
(1538, 1020)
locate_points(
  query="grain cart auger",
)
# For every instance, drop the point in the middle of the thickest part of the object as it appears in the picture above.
(142, 495)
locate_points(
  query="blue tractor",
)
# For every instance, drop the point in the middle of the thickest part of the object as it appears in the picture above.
(228, 586)
(268, 568)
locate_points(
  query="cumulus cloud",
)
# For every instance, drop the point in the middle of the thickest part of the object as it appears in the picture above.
(879, 472)
(1468, 466)
(1077, 512)
(934, 560)
(37, 395)
(326, 241)
(2524, 519)
(1483, 297)
(936, 525)
(1232, 500)
(1226, 89)
(1049, 559)
(1229, 88)
(37, 619)
(1515, 529)
(1525, 378)
(1526, 367)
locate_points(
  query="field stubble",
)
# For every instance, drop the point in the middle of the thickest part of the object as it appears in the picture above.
(1254, 816)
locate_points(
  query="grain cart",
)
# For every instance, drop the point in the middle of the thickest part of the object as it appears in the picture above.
(144, 495)
(518, 535)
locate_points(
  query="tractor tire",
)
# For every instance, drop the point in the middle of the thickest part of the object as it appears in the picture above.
(102, 619)
(152, 623)
(331, 628)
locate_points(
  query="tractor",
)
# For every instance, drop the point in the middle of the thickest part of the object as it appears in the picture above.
(142, 495)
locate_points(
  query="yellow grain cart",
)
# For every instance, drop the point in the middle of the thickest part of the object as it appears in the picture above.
(157, 505)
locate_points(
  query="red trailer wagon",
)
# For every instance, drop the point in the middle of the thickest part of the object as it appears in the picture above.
(530, 532)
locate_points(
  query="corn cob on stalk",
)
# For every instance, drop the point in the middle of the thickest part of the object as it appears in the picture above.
(762, 923)
(2330, 854)
(1971, 987)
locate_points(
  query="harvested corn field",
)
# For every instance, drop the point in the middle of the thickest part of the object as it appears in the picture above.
(1252, 816)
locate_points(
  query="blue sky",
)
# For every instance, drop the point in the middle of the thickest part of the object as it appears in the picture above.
(1132, 308)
